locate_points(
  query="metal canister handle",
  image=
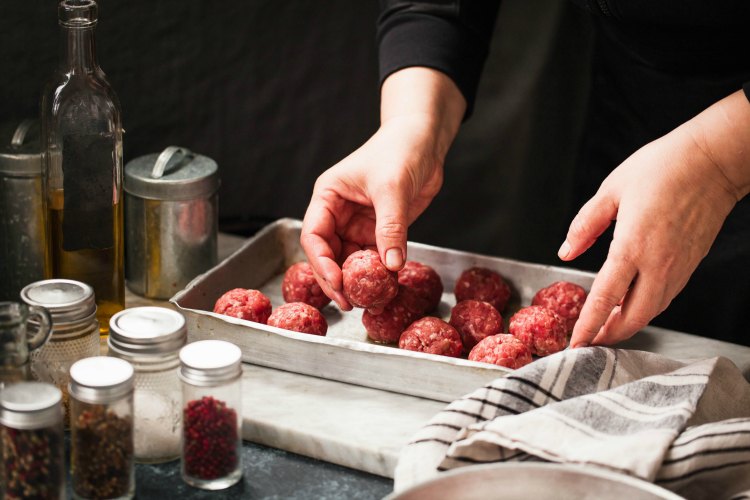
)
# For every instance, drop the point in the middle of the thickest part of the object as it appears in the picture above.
(163, 159)
(20, 134)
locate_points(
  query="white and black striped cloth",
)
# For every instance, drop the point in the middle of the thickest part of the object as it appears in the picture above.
(685, 427)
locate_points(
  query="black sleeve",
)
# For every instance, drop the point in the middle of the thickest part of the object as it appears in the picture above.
(746, 89)
(451, 36)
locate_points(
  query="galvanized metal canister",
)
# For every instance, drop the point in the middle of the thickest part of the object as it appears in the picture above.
(171, 220)
(22, 231)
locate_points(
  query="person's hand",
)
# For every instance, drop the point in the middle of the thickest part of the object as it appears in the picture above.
(669, 200)
(369, 199)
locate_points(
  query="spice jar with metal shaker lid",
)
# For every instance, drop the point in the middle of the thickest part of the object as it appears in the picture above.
(150, 339)
(211, 372)
(31, 440)
(18, 341)
(22, 232)
(75, 330)
(101, 428)
(171, 220)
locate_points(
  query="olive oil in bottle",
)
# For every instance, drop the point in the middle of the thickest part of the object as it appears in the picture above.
(82, 144)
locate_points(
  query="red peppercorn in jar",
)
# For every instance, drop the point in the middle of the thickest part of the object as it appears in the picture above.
(211, 373)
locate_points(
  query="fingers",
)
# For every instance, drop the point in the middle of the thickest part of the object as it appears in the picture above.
(318, 233)
(390, 227)
(609, 287)
(645, 299)
(592, 220)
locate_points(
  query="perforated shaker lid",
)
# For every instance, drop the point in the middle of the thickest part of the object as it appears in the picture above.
(100, 379)
(147, 331)
(30, 405)
(210, 362)
(66, 300)
(20, 150)
(174, 174)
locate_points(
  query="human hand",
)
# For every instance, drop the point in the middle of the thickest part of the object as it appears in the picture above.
(669, 200)
(369, 198)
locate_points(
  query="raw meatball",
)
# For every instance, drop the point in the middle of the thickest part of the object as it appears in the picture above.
(564, 298)
(539, 328)
(474, 320)
(299, 285)
(424, 281)
(479, 283)
(433, 336)
(387, 326)
(251, 305)
(367, 282)
(502, 349)
(299, 317)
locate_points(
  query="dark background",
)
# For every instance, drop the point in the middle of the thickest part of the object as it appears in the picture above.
(276, 92)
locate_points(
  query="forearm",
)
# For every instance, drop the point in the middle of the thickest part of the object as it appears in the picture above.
(722, 133)
(427, 99)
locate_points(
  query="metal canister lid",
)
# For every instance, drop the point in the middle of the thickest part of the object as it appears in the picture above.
(100, 379)
(147, 331)
(22, 154)
(174, 174)
(66, 300)
(30, 405)
(210, 362)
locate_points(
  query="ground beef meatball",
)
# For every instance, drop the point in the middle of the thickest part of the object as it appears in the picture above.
(367, 282)
(251, 305)
(299, 285)
(425, 282)
(386, 327)
(503, 350)
(433, 336)
(299, 317)
(483, 284)
(474, 320)
(564, 298)
(539, 328)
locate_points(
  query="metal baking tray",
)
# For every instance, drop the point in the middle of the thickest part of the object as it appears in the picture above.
(345, 354)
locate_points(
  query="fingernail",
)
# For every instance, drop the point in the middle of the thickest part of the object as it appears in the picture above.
(564, 250)
(581, 344)
(393, 258)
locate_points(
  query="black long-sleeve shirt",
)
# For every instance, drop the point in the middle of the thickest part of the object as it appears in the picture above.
(655, 65)
(680, 36)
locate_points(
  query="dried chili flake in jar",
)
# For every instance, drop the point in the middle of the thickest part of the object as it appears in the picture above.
(210, 371)
(31, 441)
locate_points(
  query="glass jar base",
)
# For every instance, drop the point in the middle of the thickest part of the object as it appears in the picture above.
(221, 483)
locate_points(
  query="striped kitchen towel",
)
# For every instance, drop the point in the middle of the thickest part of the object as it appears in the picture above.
(685, 427)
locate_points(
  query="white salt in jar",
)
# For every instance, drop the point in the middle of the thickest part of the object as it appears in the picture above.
(150, 338)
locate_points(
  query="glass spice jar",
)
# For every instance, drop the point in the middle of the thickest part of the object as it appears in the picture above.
(150, 338)
(75, 331)
(211, 373)
(31, 439)
(101, 425)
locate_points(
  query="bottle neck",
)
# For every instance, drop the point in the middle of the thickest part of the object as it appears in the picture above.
(78, 49)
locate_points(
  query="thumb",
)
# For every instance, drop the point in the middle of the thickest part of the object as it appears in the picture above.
(390, 229)
(590, 222)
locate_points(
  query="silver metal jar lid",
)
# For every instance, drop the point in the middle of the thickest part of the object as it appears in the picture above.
(147, 331)
(100, 379)
(210, 362)
(30, 405)
(66, 300)
(174, 174)
(22, 155)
